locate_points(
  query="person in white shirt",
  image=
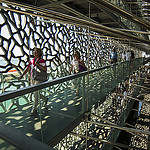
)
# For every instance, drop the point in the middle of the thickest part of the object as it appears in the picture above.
(124, 56)
(113, 56)
(77, 66)
(76, 63)
(39, 64)
(128, 56)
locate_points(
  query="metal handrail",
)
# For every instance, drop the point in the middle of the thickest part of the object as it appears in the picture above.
(12, 94)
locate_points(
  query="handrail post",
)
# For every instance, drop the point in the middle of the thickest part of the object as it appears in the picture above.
(83, 95)
(40, 112)
(115, 75)
(3, 105)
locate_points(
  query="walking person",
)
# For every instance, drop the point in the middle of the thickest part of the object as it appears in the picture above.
(113, 56)
(37, 68)
(124, 56)
(132, 60)
(77, 65)
(128, 55)
(132, 55)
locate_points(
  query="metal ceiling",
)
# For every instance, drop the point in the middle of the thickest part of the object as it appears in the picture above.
(101, 11)
(101, 15)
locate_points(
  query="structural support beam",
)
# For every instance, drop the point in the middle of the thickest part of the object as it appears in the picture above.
(115, 18)
(107, 121)
(134, 31)
(145, 79)
(76, 12)
(120, 128)
(143, 101)
(141, 86)
(103, 141)
(54, 4)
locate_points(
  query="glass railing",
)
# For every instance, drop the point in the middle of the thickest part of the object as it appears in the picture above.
(10, 82)
(102, 80)
(68, 98)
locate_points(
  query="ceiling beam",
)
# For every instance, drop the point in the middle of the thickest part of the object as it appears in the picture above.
(112, 16)
(115, 19)
(54, 4)
(126, 14)
(71, 10)
(135, 31)
(80, 15)
(108, 23)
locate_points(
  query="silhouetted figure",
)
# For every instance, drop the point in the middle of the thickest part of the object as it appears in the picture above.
(113, 56)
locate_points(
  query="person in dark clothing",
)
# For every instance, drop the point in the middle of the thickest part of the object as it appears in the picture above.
(113, 56)
(132, 55)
